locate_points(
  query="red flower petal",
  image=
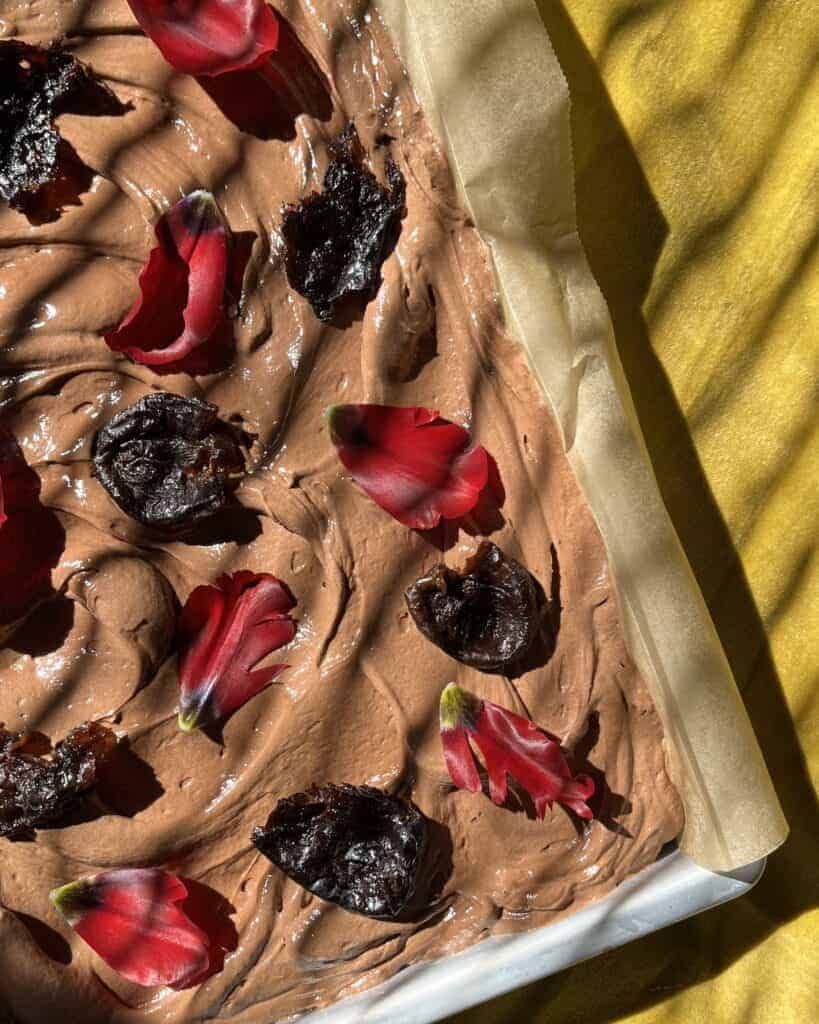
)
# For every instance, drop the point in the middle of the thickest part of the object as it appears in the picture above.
(131, 919)
(182, 305)
(511, 745)
(31, 537)
(209, 37)
(225, 630)
(460, 761)
(415, 465)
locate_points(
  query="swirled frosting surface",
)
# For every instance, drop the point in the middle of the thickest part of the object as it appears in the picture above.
(359, 702)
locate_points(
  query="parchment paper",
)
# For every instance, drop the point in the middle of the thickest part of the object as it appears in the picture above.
(491, 86)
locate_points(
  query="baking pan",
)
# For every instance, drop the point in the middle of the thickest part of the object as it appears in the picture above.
(671, 889)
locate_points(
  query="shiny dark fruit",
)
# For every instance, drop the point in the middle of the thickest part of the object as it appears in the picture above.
(356, 846)
(486, 616)
(169, 462)
(36, 791)
(38, 170)
(336, 240)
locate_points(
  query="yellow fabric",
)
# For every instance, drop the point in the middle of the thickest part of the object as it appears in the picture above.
(696, 133)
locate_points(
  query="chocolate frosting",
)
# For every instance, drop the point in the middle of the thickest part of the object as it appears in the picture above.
(359, 702)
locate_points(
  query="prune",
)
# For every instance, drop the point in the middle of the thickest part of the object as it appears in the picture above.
(336, 240)
(352, 845)
(38, 169)
(168, 461)
(34, 790)
(486, 616)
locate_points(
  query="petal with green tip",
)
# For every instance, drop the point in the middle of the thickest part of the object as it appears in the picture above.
(225, 630)
(511, 746)
(132, 919)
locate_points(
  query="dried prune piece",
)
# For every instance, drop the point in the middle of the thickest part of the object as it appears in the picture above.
(356, 846)
(39, 171)
(487, 616)
(34, 790)
(336, 240)
(169, 461)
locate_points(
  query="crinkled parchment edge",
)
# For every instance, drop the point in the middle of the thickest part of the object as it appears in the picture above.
(491, 86)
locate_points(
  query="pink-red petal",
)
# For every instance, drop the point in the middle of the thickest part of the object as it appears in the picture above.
(131, 918)
(225, 630)
(31, 537)
(457, 712)
(459, 759)
(511, 746)
(209, 37)
(416, 466)
(181, 307)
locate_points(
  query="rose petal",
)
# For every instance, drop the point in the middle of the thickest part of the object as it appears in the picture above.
(31, 537)
(225, 631)
(415, 465)
(131, 919)
(182, 301)
(209, 37)
(511, 746)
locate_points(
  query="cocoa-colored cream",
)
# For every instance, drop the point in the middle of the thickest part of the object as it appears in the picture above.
(359, 702)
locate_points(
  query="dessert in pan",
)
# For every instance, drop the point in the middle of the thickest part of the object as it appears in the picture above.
(312, 667)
